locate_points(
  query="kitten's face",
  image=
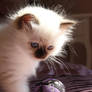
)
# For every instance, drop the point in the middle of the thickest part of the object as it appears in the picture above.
(42, 45)
(45, 31)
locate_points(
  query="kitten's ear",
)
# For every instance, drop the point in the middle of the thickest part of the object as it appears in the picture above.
(67, 24)
(24, 22)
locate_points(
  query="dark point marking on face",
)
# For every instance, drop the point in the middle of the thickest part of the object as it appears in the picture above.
(41, 53)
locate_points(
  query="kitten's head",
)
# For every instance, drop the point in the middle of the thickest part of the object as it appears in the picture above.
(45, 30)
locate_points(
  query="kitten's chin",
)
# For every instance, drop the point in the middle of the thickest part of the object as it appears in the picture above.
(39, 60)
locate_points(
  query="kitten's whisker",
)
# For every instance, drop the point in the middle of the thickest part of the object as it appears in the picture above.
(54, 67)
(63, 64)
(55, 60)
(72, 49)
(62, 53)
(51, 68)
(47, 63)
(50, 62)
(60, 63)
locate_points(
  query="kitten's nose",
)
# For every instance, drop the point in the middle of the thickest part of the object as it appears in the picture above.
(41, 53)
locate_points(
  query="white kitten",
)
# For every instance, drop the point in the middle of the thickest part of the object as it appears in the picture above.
(32, 35)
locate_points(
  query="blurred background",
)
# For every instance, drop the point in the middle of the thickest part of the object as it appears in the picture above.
(79, 51)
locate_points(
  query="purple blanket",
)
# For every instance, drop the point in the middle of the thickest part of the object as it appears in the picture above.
(76, 79)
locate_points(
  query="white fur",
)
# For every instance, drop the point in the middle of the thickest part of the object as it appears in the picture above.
(48, 19)
(49, 23)
(22, 64)
(14, 62)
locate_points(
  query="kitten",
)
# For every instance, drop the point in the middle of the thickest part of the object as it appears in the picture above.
(32, 35)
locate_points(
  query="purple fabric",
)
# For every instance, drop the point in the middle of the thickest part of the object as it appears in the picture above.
(67, 69)
(72, 83)
(77, 79)
(46, 88)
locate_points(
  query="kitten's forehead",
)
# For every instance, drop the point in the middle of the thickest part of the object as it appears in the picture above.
(46, 17)
(43, 37)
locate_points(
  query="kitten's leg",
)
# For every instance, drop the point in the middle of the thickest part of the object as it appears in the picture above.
(18, 86)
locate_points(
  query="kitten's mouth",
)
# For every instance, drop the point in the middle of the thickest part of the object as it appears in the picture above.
(39, 56)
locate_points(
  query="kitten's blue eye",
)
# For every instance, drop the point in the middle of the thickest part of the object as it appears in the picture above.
(34, 44)
(50, 47)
